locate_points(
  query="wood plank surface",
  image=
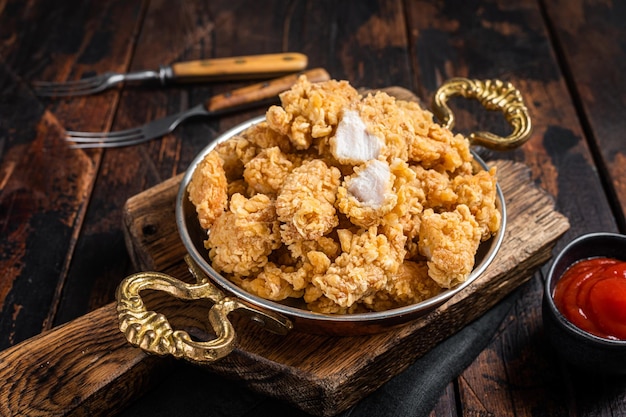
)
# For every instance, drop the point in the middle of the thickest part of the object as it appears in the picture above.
(45, 185)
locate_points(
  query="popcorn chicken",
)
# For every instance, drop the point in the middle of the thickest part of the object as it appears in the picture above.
(410, 285)
(449, 241)
(310, 111)
(360, 270)
(266, 172)
(367, 196)
(349, 203)
(306, 199)
(478, 192)
(241, 239)
(352, 143)
(208, 189)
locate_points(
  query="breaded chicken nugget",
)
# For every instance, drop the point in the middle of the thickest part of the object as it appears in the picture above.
(449, 241)
(306, 199)
(242, 238)
(208, 189)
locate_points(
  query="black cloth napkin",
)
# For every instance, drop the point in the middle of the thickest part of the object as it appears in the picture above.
(191, 391)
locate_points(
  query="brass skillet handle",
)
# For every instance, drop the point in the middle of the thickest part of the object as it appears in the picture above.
(493, 95)
(152, 332)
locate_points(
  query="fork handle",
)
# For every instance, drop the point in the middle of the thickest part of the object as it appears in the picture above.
(262, 91)
(250, 66)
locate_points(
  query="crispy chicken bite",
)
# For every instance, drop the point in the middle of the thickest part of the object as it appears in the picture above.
(409, 286)
(478, 192)
(449, 242)
(368, 258)
(235, 153)
(411, 195)
(266, 172)
(310, 111)
(306, 199)
(352, 143)
(208, 189)
(438, 192)
(242, 238)
(272, 283)
(263, 137)
(397, 122)
(367, 196)
(439, 149)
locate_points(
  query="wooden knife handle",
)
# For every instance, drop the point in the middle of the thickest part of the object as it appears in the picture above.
(239, 67)
(261, 91)
(82, 368)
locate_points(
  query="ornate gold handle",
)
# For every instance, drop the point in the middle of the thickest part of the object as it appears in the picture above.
(152, 332)
(493, 95)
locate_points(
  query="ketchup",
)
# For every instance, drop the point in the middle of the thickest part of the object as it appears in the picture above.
(592, 295)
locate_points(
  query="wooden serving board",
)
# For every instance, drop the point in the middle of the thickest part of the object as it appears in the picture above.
(325, 375)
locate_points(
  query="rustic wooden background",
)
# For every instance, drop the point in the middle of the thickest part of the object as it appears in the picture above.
(62, 246)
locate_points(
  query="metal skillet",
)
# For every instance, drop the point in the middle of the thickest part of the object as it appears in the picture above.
(152, 331)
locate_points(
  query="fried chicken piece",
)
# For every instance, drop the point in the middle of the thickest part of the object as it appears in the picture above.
(362, 269)
(277, 282)
(235, 153)
(397, 122)
(273, 282)
(367, 196)
(438, 192)
(409, 286)
(208, 189)
(242, 238)
(300, 247)
(306, 199)
(321, 304)
(263, 137)
(310, 110)
(266, 172)
(439, 149)
(352, 143)
(478, 192)
(449, 241)
(411, 195)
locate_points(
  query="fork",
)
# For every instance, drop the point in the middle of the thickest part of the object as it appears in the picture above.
(259, 66)
(215, 106)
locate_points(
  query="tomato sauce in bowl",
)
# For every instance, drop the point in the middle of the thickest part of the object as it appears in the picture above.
(584, 303)
(592, 295)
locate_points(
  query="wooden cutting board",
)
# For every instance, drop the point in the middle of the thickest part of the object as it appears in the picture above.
(325, 375)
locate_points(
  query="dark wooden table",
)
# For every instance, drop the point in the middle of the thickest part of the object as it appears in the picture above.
(62, 244)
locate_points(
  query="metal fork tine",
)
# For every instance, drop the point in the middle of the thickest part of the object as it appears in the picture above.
(69, 88)
(76, 136)
(108, 144)
(69, 83)
(111, 144)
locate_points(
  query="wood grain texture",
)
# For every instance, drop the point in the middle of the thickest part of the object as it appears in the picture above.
(69, 370)
(45, 186)
(589, 36)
